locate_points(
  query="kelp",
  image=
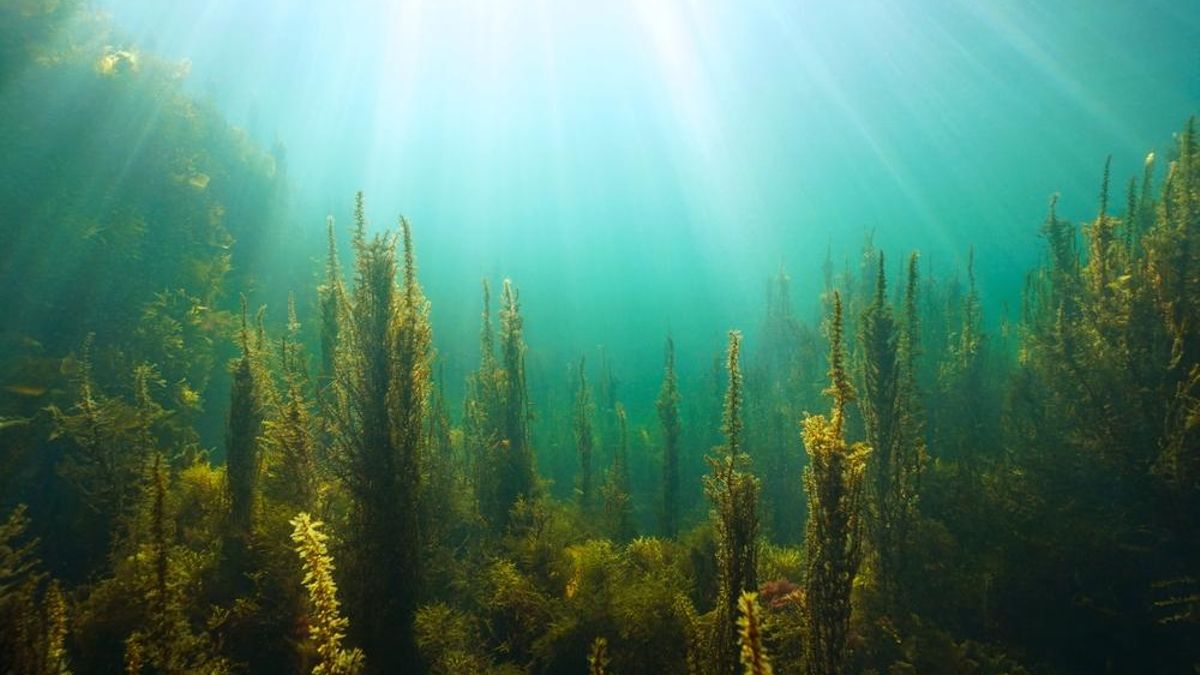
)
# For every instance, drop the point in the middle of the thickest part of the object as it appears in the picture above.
(326, 625)
(584, 441)
(835, 482)
(617, 493)
(734, 495)
(165, 639)
(242, 453)
(381, 391)
(894, 429)
(780, 375)
(33, 612)
(667, 406)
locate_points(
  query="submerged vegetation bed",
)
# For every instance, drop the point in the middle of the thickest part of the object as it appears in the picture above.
(979, 497)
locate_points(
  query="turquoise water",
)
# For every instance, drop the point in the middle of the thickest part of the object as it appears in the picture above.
(640, 165)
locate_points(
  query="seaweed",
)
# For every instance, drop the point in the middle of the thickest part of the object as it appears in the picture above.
(616, 491)
(515, 456)
(754, 655)
(381, 384)
(584, 440)
(835, 481)
(165, 640)
(33, 612)
(891, 411)
(667, 406)
(242, 453)
(984, 494)
(598, 657)
(326, 625)
(734, 495)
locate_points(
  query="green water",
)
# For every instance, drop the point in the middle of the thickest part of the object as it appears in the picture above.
(638, 171)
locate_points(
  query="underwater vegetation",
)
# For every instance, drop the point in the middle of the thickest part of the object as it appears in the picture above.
(979, 496)
(327, 626)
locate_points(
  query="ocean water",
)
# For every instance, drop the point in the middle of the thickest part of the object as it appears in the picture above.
(595, 151)
(640, 172)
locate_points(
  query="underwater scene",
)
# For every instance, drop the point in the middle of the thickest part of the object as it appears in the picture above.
(639, 336)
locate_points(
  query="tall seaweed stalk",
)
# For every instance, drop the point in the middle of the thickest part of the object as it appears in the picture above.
(242, 441)
(618, 506)
(382, 386)
(514, 463)
(667, 405)
(734, 495)
(584, 440)
(834, 481)
(326, 625)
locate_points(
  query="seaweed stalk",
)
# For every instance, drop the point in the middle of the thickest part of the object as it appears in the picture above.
(326, 625)
(668, 416)
(754, 653)
(834, 481)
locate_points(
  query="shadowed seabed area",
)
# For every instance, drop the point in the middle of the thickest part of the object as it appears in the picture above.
(625, 337)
